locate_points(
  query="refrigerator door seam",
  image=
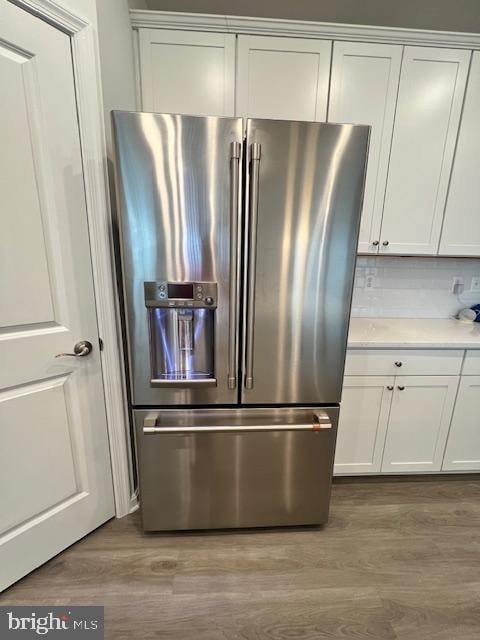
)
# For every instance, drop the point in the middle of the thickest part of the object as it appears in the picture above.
(255, 155)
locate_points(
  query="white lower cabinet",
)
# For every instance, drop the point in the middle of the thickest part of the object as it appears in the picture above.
(419, 421)
(400, 424)
(363, 424)
(463, 445)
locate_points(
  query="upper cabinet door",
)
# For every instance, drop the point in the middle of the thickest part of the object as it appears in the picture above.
(432, 87)
(283, 78)
(461, 226)
(363, 90)
(187, 72)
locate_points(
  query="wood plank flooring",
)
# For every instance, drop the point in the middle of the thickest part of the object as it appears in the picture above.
(398, 560)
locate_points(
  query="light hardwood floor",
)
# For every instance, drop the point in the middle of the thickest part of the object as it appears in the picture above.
(398, 560)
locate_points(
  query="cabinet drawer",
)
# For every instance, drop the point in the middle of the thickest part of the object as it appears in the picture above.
(471, 366)
(380, 362)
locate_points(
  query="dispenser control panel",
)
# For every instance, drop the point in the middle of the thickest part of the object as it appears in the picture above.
(189, 295)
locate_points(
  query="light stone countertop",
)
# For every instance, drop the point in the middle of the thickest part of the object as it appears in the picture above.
(412, 333)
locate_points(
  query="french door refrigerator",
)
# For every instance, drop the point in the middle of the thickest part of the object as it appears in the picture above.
(238, 242)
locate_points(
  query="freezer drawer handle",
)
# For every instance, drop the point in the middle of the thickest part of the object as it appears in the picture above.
(235, 152)
(150, 425)
(255, 155)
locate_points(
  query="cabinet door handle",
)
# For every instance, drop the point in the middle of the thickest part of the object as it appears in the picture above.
(389, 387)
(385, 243)
(398, 363)
(400, 387)
(376, 243)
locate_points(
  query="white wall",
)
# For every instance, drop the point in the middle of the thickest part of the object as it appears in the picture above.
(116, 60)
(118, 84)
(448, 15)
(412, 287)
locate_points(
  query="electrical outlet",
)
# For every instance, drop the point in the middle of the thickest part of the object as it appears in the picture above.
(369, 281)
(458, 285)
(475, 284)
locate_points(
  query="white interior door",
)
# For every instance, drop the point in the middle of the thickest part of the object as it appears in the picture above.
(282, 78)
(54, 458)
(363, 90)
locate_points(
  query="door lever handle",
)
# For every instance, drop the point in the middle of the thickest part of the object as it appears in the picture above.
(80, 349)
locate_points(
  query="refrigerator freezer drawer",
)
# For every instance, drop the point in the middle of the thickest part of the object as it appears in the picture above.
(213, 469)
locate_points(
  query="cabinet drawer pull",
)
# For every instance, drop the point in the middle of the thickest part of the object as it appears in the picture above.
(398, 363)
(389, 387)
(376, 243)
(385, 243)
(400, 387)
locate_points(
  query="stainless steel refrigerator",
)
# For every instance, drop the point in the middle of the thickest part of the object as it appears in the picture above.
(238, 243)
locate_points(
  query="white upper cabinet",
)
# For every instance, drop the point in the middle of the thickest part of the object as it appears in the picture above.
(282, 78)
(461, 226)
(363, 90)
(187, 72)
(432, 86)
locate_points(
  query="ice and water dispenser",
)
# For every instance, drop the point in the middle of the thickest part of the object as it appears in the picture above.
(181, 318)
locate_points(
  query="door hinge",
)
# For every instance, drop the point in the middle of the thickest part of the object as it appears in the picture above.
(100, 344)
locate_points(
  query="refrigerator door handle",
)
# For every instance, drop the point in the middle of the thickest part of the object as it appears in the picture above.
(255, 154)
(235, 153)
(151, 425)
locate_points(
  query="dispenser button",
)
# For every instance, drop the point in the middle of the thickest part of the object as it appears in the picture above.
(199, 296)
(209, 300)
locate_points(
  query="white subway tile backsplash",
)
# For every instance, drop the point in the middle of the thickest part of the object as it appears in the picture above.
(412, 287)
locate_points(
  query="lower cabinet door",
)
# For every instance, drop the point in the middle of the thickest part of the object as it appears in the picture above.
(363, 424)
(419, 421)
(463, 445)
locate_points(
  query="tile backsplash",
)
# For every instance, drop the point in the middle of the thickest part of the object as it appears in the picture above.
(412, 287)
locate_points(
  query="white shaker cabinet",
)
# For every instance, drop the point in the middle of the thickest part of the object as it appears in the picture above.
(461, 225)
(419, 420)
(363, 90)
(187, 72)
(282, 78)
(432, 86)
(363, 424)
(463, 445)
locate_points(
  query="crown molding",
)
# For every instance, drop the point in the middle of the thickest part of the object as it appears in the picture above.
(54, 13)
(301, 29)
